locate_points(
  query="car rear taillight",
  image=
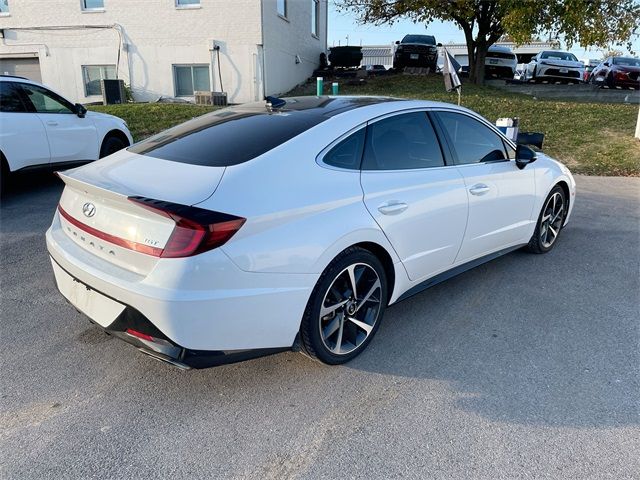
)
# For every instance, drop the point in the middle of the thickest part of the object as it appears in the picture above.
(197, 230)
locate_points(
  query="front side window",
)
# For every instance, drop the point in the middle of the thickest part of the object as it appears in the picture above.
(348, 153)
(93, 74)
(187, 3)
(401, 142)
(4, 6)
(190, 79)
(472, 141)
(45, 101)
(92, 4)
(10, 100)
(315, 17)
(281, 7)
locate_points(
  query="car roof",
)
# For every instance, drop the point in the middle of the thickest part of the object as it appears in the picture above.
(16, 78)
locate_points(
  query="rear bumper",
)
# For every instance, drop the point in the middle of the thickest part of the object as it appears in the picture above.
(201, 303)
(157, 345)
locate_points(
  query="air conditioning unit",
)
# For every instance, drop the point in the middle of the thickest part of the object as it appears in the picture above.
(219, 98)
(202, 98)
(113, 92)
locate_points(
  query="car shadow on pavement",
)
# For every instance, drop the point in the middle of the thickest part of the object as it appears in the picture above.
(521, 340)
(31, 188)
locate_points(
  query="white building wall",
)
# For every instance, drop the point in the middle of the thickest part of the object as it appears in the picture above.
(288, 40)
(156, 35)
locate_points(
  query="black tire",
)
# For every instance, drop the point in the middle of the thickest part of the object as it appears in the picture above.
(314, 342)
(539, 242)
(111, 145)
(4, 175)
(609, 81)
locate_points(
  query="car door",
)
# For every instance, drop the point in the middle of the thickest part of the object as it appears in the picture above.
(23, 138)
(418, 201)
(71, 138)
(501, 196)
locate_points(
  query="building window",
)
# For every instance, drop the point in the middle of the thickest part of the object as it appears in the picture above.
(4, 7)
(93, 4)
(315, 17)
(92, 74)
(187, 3)
(191, 78)
(281, 7)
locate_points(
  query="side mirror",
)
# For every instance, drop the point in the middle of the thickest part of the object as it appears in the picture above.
(606, 64)
(524, 156)
(397, 42)
(81, 111)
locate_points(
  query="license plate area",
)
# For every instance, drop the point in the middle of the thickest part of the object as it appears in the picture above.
(493, 61)
(414, 56)
(94, 305)
(564, 70)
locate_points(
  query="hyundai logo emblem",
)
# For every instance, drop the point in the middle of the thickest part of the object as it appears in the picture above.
(89, 209)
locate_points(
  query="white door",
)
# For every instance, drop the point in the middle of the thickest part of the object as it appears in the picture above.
(23, 138)
(419, 203)
(71, 138)
(501, 196)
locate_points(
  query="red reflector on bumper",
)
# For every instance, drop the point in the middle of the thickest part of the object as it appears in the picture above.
(140, 335)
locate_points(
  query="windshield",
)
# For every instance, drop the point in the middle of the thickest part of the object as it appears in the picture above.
(426, 39)
(627, 61)
(566, 56)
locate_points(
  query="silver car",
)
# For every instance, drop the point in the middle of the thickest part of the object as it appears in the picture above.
(554, 65)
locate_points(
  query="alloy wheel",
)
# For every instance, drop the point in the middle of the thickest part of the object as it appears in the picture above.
(350, 309)
(551, 220)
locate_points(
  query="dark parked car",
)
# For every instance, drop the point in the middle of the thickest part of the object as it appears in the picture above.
(617, 72)
(347, 56)
(416, 51)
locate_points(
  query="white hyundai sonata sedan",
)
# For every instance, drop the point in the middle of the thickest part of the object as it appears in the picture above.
(293, 225)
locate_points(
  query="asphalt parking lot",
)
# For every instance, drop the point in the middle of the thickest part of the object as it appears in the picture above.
(526, 367)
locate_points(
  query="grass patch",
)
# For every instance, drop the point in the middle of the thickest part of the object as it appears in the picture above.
(590, 138)
(146, 119)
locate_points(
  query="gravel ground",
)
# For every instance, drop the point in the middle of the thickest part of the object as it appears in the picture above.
(526, 367)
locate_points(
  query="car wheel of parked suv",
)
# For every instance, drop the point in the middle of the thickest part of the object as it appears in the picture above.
(111, 145)
(345, 308)
(550, 222)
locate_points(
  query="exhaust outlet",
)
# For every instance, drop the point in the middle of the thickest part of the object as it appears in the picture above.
(162, 358)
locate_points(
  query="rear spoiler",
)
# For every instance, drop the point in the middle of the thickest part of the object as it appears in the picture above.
(102, 191)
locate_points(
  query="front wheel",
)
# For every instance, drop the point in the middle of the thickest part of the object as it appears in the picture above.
(549, 223)
(345, 308)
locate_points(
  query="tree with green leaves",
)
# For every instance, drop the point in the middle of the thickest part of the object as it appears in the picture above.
(600, 23)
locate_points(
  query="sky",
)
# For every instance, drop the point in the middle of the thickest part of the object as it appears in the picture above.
(343, 24)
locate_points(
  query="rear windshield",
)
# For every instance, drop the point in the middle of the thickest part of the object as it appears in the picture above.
(426, 39)
(227, 137)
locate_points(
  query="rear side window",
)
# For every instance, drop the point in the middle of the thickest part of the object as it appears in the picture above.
(347, 153)
(472, 141)
(402, 142)
(227, 137)
(10, 100)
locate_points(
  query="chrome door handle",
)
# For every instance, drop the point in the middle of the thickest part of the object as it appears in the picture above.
(479, 189)
(52, 123)
(392, 208)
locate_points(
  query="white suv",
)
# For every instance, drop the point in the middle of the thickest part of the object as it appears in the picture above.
(39, 128)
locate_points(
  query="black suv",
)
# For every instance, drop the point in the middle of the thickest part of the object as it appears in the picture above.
(416, 51)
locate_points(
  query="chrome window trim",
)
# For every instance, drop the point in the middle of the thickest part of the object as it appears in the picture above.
(475, 116)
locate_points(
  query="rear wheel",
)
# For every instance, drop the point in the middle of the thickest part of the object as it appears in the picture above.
(345, 308)
(111, 145)
(549, 223)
